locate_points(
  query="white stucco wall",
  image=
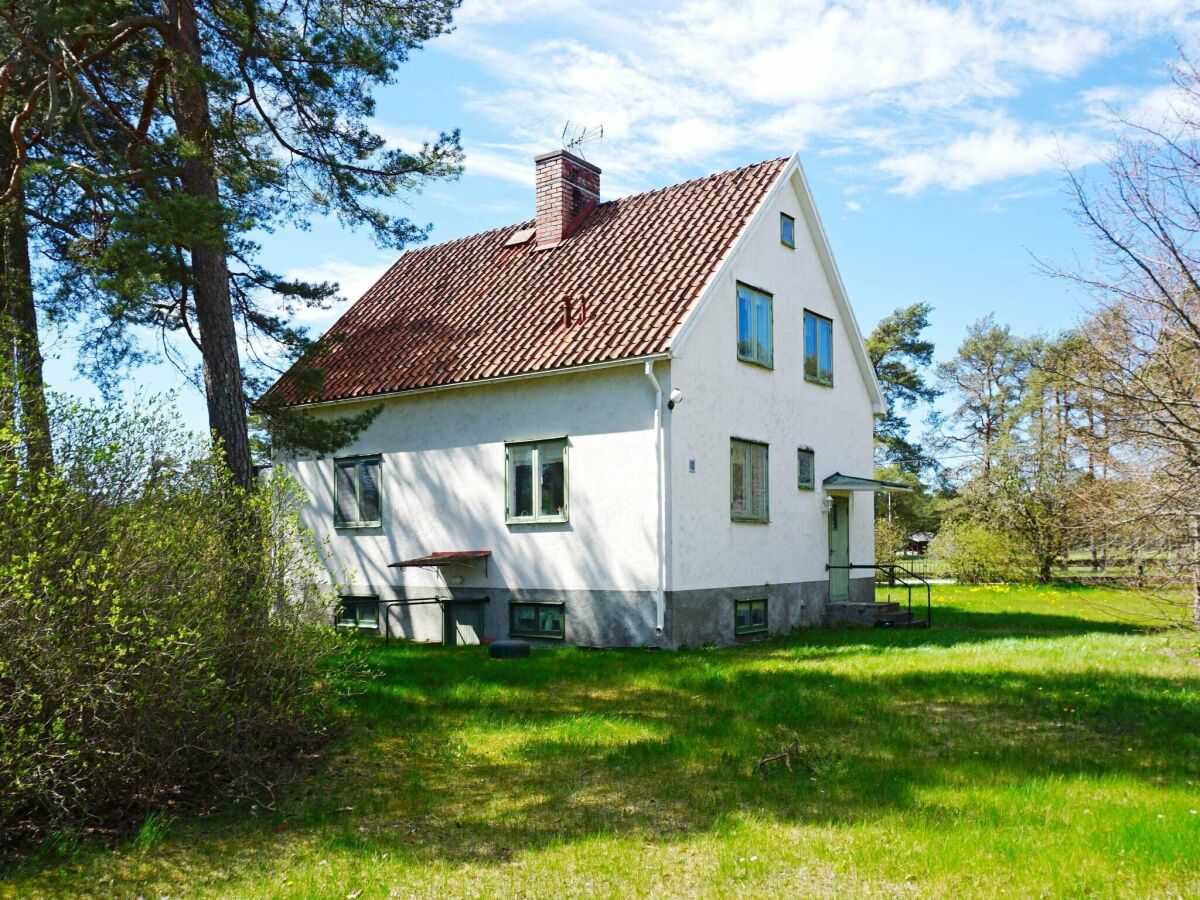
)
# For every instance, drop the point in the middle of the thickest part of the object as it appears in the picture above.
(443, 483)
(724, 398)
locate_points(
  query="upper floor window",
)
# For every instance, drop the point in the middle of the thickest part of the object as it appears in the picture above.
(818, 348)
(749, 499)
(356, 485)
(787, 230)
(754, 322)
(537, 481)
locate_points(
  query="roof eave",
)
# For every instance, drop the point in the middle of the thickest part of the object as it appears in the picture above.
(484, 382)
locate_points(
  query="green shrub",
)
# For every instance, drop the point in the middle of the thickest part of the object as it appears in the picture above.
(164, 639)
(976, 554)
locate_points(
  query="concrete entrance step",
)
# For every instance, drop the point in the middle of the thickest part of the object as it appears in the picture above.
(878, 615)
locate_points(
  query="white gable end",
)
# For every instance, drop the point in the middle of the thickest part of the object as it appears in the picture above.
(766, 218)
(727, 399)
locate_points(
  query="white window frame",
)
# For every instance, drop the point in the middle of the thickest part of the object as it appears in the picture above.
(536, 504)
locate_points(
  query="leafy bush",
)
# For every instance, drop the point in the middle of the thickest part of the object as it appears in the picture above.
(976, 554)
(162, 637)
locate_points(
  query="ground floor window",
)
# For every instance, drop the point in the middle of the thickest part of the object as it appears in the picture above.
(750, 616)
(806, 478)
(537, 481)
(358, 612)
(543, 620)
(748, 482)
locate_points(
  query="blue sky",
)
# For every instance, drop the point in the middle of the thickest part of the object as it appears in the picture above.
(933, 135)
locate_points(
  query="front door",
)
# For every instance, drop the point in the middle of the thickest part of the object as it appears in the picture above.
(463, 623)
(839, 550)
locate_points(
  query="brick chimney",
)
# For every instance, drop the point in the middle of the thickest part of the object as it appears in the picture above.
(568, 189)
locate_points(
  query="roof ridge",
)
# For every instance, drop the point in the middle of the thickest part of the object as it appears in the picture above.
(531, 223)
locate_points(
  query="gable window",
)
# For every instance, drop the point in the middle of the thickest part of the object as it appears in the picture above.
(750, 617)
(755, 338)
(544, 620)
(356, 486)
(806, 478)
(818, 348)
(748, 482)
(537, 481)
(787, 230)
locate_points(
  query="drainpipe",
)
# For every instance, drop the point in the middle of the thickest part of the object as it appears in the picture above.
(660, 601)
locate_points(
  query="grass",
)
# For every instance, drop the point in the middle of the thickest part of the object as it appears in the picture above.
(1033, 742)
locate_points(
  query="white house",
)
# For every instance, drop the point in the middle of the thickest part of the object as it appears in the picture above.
(640, 422)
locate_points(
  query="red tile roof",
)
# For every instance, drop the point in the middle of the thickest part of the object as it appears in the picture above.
(474, 308)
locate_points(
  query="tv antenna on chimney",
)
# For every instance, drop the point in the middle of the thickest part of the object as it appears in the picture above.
(575, 135)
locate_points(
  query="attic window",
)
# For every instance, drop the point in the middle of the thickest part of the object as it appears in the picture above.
(754, 327)
(520, 237)
(818, 348)
(787, 230)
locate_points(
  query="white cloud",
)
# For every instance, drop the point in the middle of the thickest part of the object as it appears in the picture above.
(853, 206)
(500, 161)
(353, 280)
(908, 85)
(1004, 150)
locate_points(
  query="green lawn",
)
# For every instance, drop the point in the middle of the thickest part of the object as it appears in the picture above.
(1033, 742)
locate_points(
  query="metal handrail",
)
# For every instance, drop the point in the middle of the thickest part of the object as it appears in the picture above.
(890, 569)
(385, 607)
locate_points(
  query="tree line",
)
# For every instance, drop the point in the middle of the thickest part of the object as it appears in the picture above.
(1087, 440)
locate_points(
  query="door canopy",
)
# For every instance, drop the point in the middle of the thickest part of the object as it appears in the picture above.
(839, 482)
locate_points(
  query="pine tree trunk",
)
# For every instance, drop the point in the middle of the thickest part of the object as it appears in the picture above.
(25, 399)
(210, 271)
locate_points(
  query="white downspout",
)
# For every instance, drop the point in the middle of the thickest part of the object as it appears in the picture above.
(660, 601)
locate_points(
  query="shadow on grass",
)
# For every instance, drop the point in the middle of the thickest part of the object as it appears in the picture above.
(474, 760)
(458, 758)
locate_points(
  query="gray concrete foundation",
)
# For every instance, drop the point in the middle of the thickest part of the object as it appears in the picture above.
(624, 618)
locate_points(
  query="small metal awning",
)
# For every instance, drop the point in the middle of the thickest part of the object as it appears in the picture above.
(444, 558)
(839, 482)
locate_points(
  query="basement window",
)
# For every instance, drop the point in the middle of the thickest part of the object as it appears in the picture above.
(356, 489)
(537, 620)
(787, 230)
(358, 612)
(755, 327)
(750, 617)
(536, 486)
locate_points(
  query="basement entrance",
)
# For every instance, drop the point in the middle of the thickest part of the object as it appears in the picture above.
(462, 623)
